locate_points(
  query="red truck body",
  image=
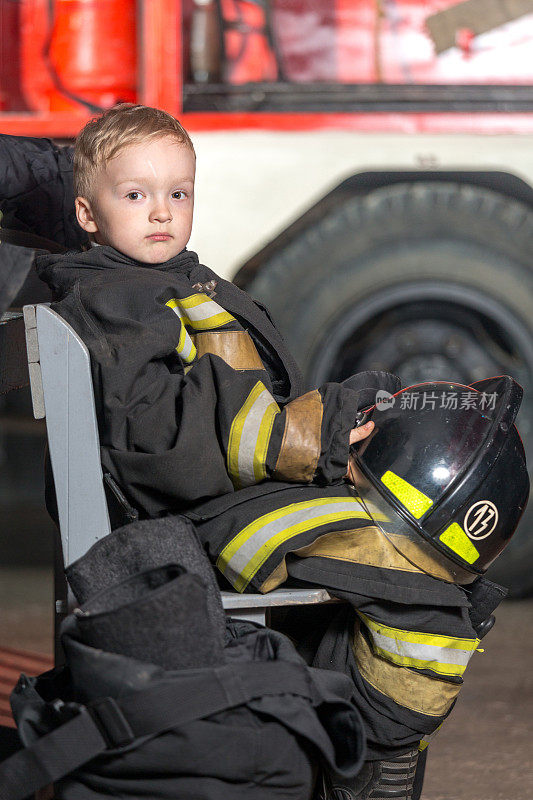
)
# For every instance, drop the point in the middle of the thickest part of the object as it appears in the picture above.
(103, 51)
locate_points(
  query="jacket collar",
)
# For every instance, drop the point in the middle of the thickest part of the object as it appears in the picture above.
(62, 271)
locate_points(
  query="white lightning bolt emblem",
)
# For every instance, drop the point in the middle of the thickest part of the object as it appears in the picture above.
(481, 519)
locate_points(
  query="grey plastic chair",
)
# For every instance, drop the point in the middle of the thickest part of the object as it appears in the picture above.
(62, 392)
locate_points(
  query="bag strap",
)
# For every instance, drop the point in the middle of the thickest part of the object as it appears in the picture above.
(109, 723)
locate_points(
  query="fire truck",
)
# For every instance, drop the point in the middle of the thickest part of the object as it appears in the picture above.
(365, 167)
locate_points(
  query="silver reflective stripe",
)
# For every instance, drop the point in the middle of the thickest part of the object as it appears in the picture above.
(199, 312)
(185, 347)
(428, 738)
(444, 655)
(204, 311)
(421, 652)
(250, 437)
(188, 350)
(256, 542)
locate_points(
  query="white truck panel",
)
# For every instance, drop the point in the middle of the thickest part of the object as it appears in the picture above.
(252, 184)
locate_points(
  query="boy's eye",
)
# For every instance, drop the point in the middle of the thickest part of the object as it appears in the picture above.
(133, 195)
(179, 195)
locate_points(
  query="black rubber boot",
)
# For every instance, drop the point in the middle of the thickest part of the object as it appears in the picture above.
(378, 780)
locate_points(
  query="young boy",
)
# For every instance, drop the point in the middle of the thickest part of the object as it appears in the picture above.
(201, 412)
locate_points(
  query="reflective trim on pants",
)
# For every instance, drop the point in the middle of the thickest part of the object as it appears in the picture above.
(244, 555)
(412, 690)
(444, 655)
(428, 738)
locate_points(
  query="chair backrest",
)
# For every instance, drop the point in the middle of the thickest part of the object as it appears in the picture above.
(62, 391)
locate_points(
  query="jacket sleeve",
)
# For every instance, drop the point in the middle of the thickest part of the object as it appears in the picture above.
(310, 437)
(36, 189)
(186, 414)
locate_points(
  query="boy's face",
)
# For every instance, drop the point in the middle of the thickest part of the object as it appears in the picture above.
(143, 201)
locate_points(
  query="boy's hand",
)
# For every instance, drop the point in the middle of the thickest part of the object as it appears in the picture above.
(357, 434)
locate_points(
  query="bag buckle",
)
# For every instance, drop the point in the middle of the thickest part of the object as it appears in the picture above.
(111, 722)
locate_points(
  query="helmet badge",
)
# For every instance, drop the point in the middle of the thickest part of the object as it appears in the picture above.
(481, 519)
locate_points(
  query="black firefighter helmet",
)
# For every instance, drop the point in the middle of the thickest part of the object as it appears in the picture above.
(443, 473)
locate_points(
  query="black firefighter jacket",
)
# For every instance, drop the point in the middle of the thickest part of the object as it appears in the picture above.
(198, 399)
(201, 412)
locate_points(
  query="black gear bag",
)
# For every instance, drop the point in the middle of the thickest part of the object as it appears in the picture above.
(254, 728)
(155, 702)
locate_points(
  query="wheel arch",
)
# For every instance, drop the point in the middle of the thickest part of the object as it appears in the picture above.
(503, 183)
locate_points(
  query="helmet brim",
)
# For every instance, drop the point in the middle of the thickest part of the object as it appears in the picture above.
(406, 540)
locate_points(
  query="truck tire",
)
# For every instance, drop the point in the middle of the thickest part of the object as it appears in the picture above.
(428, 280)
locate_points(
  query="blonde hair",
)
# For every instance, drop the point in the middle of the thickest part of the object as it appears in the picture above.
(105, 136)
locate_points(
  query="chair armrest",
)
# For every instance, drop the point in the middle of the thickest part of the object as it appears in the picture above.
(279, 597)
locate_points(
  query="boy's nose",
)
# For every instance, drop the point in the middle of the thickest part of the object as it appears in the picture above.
(161, 213)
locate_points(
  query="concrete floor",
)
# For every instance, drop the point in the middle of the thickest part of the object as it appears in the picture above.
(483, 752)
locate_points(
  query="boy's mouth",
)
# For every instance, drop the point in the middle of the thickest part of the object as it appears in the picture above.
(159, 237)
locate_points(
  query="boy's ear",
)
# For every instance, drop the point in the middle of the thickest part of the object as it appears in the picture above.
(85, 215)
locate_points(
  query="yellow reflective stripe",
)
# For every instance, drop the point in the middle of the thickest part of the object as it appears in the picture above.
(436, 639)
(245, 554)
(456, 539)
(250, 436)
(235, 434)
(447, 670)
(445, 655)
(193, 300)
(414, 690)
(215, 321)
(409, 496)
(263, 440)
(199, 312)
(427, 738)
(173, 304)
(261, 522)
(185, 346)
(182, 339)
